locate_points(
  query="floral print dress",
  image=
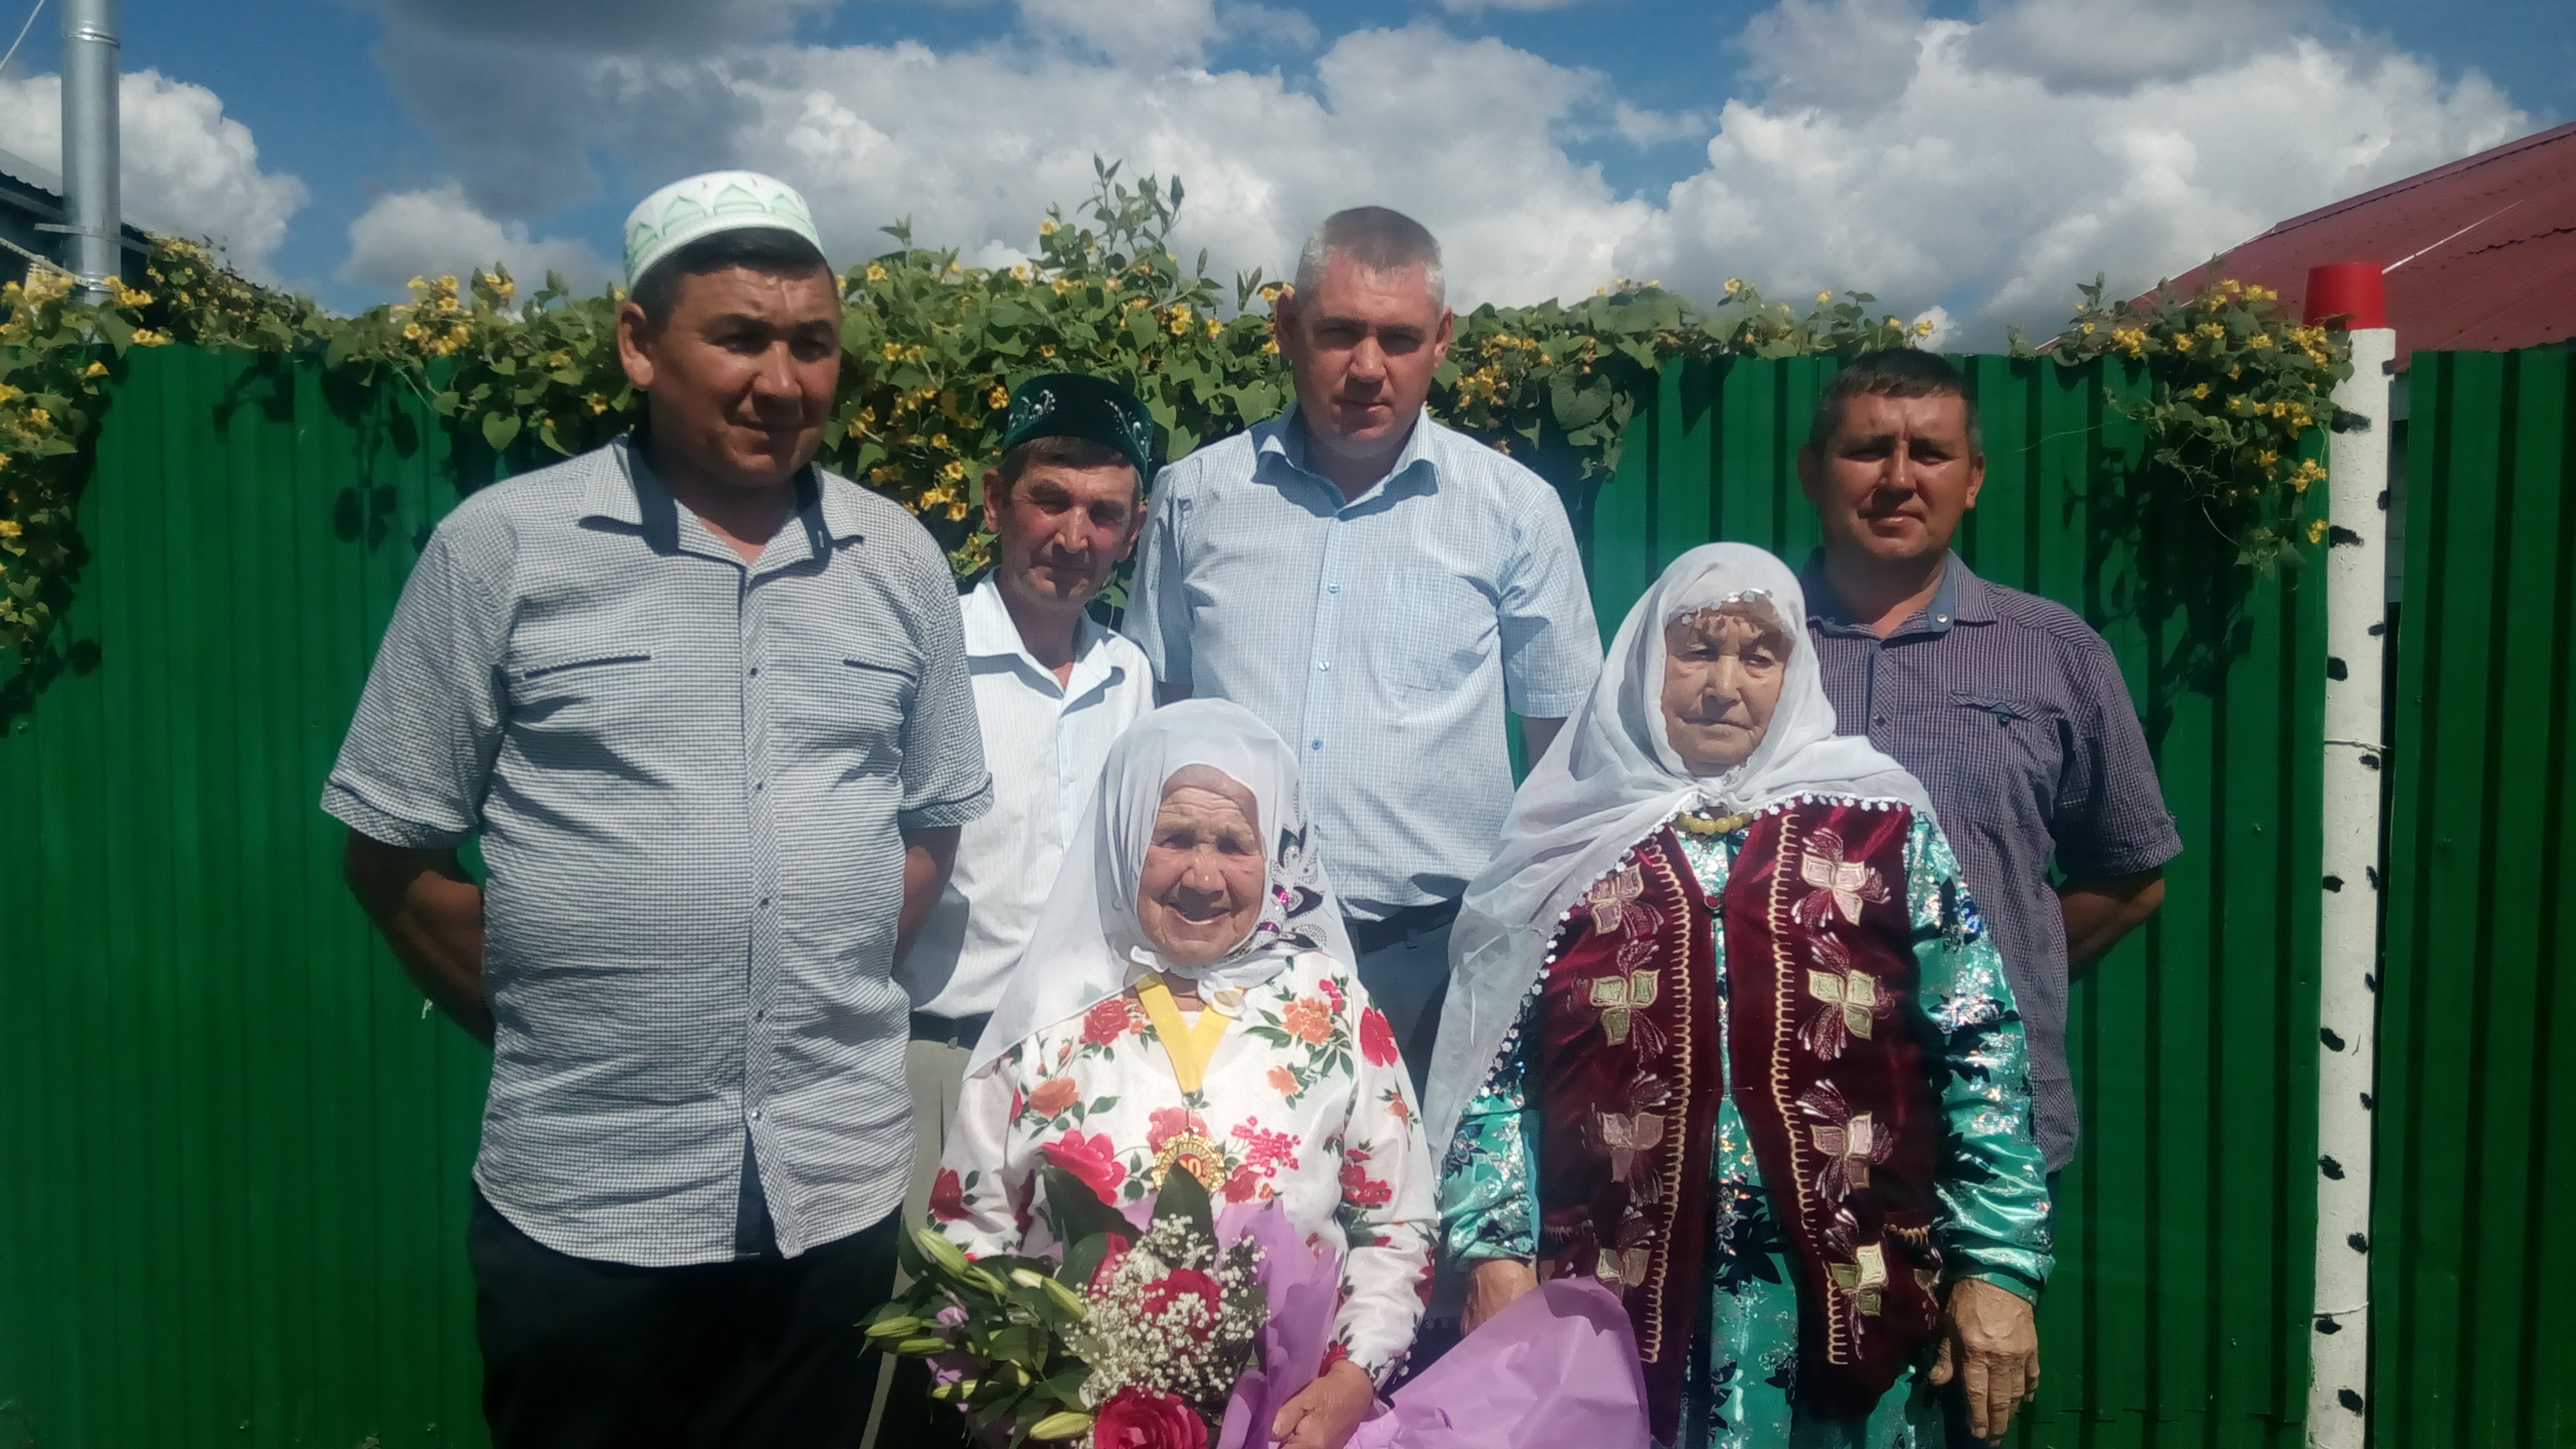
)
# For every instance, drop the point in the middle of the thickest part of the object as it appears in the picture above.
(1995, 1201)
(1305, 1102)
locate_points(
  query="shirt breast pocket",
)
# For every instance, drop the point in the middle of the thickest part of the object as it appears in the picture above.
(1436, 630)
(2015, 730)
(582, 689)
(866, 700)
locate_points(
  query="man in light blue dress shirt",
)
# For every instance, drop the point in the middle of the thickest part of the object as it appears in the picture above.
(1381, 590)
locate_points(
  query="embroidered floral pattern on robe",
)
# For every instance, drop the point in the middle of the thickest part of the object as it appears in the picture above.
(1993, 1203)
(1305, 1101)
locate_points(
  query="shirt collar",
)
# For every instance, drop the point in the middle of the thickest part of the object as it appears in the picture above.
(1962, 598)
(626, 489)
(990, 634)
(1283, 439)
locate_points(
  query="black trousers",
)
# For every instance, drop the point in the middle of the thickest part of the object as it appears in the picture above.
(757, 1352)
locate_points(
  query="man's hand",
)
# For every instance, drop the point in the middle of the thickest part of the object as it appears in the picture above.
(1491, 1289)
(431, 914)
(1323, 1414)
(1990, 1334)
(929, 854)
(2100, 910)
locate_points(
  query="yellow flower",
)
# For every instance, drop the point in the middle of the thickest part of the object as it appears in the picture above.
(952, 470)
(1270, 346)
(1823, 297)
(414, 332)
(894, 352)
(38, 417)
(1046, 228)
(998, 399)
(1046, 349)
(1215, 328)
(1020, 272)
(598, 403)
(2317, 531)
(1734, 285)
(875, 273)
(8, 393)
(2200, 390)
(1923, 327)
(9, 528)
(2182, 343)
(939, 441)
(2259, 340)
(95, 369)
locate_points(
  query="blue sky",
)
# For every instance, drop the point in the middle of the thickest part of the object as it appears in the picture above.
(1978, 158)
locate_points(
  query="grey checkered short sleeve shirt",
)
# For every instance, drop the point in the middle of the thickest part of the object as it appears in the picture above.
(2013, 714)
(690, 778)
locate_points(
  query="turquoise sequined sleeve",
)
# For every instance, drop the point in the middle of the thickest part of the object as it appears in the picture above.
(1994, 1186)
(1487, 1206)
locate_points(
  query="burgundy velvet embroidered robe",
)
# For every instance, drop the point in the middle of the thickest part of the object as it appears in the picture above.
(1832, 1057)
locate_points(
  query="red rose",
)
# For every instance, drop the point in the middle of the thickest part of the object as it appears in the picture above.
(1241, 1186)
(1358, 1190)
(947, 1196)
(1176, 1285)
(1170, 1122)
(1333, 993)
(1106, 1022)
(1377, 1039)
(1142, 1418)
(1090, 1159)
(1110, 1258)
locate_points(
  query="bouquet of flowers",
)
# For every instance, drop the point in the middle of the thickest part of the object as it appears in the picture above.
(1136, 1339)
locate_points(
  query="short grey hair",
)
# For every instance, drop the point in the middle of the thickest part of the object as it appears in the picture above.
(1379, 239)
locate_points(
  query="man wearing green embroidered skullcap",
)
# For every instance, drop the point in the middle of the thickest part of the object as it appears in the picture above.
(706, 708)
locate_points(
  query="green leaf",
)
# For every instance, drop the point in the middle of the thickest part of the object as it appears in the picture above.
(1183, 1196)
(1076, 1211)
(499, 429)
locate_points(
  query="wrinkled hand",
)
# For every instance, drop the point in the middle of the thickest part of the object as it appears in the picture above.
(1323, 1414)
(1491, 1289)
(1990, 1336)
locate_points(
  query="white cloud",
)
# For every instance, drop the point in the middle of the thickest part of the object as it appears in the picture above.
(186, 166)
(1979, 168)
(426, 233)
(1470, 7)
(1977, 175)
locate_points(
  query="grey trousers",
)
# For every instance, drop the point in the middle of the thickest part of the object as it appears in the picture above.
(933, 1071)
(1408, 981)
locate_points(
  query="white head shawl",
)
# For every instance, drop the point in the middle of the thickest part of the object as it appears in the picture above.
(1609, 780)
(1088, 946)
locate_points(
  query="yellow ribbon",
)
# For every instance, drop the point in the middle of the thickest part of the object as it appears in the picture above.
(1189, 1047)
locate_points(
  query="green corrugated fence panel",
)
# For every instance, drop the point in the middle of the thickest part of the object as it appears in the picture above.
(2178, 1315)
(234, 1204)
(2471, 1264)
(238, 1145)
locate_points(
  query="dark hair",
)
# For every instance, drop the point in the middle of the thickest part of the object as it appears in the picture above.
(1061, 452)
(1892, 372)
(761, 248)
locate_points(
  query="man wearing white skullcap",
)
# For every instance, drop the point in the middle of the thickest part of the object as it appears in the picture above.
(705, 707)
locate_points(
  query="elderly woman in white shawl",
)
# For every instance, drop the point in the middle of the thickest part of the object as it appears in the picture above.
(1187, 1004)
(1727, 1035)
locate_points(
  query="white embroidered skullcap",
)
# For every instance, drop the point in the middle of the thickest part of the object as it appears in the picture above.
(703, 205)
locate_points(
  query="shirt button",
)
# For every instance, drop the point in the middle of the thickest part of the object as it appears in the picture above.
(764, 903)
(761, 1015)
(1314, 744)
(1882, 719)
(1323, 664)
(1332, 588)
(759, 785)
(755, 671)
(755, 1114)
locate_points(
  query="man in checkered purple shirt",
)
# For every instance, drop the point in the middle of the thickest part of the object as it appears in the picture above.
(2007, 707)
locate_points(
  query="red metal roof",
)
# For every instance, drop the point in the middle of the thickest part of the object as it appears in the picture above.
(2481, 253)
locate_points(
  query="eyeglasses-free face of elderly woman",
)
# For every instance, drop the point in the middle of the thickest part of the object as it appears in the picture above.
(1723, 668)
(1199, 893)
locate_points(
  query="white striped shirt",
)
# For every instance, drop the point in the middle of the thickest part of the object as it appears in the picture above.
(1047, 743)
(690, 778)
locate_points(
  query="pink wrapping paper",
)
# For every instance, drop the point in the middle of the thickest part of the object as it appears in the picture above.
(1558, 1367)
(1304, 1285)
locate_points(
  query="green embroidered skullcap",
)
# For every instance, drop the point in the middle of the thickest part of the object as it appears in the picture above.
(703, 205)
(1071, 405)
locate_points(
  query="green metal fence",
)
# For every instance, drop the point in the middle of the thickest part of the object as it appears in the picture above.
(233, 1208)
(235, 1144)
(2178, 1313)
(2473, 1267)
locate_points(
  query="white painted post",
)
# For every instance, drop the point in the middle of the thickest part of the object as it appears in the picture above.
(2348, 968)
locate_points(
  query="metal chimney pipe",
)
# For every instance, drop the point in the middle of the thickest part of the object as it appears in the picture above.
(91, 202)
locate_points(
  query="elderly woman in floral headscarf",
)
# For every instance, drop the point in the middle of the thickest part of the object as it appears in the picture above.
(1187, 1004)
(1727, 1035)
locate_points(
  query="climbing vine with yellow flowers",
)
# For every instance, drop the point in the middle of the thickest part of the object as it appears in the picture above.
(932, 347)
(2240, 397)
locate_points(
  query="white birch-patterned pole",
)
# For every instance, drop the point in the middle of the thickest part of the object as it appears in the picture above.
(2356, 758)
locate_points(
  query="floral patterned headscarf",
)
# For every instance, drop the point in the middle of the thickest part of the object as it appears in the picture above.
(1088, 944)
